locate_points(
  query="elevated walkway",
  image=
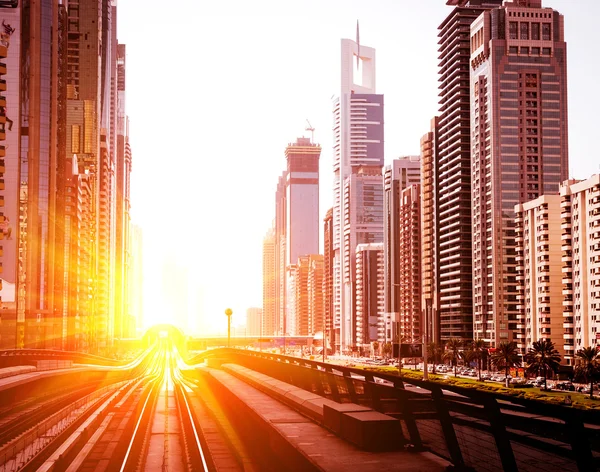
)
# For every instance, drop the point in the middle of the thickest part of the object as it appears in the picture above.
(287, 422)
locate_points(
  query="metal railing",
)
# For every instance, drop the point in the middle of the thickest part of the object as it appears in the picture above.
(473, 429)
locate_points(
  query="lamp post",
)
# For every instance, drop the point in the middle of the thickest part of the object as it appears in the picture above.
(228, 313)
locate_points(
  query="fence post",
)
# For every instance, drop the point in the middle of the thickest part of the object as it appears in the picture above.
(350, 387)
(333, 386)
(373, 392)
(447, 427)
(505, 451)
(407, 416)
(580, 444)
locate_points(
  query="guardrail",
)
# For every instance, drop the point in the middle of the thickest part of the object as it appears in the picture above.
(13, 357)
(473, 429)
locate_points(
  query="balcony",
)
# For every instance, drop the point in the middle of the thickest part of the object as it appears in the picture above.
(2, 151)
(2, 166)
(2, 85)
(2, 101)
(2, 68)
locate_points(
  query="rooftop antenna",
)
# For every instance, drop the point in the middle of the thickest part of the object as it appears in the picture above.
(312, 131)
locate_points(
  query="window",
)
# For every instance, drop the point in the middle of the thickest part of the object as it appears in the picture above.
(512, 30)
(535, 31)
(524, 30)
(546, 35)
(524, 50)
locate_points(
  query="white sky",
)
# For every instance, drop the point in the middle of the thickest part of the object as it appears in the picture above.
(216, 89)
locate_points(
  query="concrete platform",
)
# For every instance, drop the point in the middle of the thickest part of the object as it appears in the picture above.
(297, 443)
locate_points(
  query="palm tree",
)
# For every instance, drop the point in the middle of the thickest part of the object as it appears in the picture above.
(434, 354)
(452, 352)
(468, 356)
(376, 348)
(542, 357)
(505, 357)
(387, 349)
(588, 366)
(478, 346)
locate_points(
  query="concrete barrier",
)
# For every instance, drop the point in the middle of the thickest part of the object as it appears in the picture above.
(371, 430)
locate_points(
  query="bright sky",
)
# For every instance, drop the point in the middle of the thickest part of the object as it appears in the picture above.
(216, 90)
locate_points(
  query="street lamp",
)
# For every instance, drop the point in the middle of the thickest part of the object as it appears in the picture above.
(228, 313)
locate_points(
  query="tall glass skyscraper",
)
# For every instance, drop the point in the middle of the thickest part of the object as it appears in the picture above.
(357, 163)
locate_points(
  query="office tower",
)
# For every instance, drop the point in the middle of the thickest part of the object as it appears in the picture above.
(83, 123)
(254, 321)
(314, 288)
(429, 231)
(302, 199)
(363, 224)
(280, 258)
(136, 277)
(301, 298)
(397, 176)
(122, 205)
(296, 222)
(10, 86)
(269, 327)
(331, 334)
(519, 145)
(370, 321)
(453, 177)
(41, 37)
(539, 271)
(357, 152)
(410, 264)
(580, 223)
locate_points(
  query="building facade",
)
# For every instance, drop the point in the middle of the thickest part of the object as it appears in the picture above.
(331, 333)
(363, 224)
(519, 147)
(254, 321)
(429, 232)
(269, 327)
(357, 143)
(453, 171)
(580, 223)
(316, 311)
(397, 176)
(410, 320)
(539, 272)
(370, 305)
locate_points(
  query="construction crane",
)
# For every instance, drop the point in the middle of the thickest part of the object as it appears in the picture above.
(312, 131)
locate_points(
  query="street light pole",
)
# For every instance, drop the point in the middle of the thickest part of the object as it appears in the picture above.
(228, 313)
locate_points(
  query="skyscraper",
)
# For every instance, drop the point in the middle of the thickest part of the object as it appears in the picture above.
(357, 153)
(269, 327)
(409, 259)
(429, 231)
(331, 334)
(316, 318)
(397, 176)
(370, 321)
(40, 325)
(519, 145)
(10, 87)
(453, 171)
(302, 199)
